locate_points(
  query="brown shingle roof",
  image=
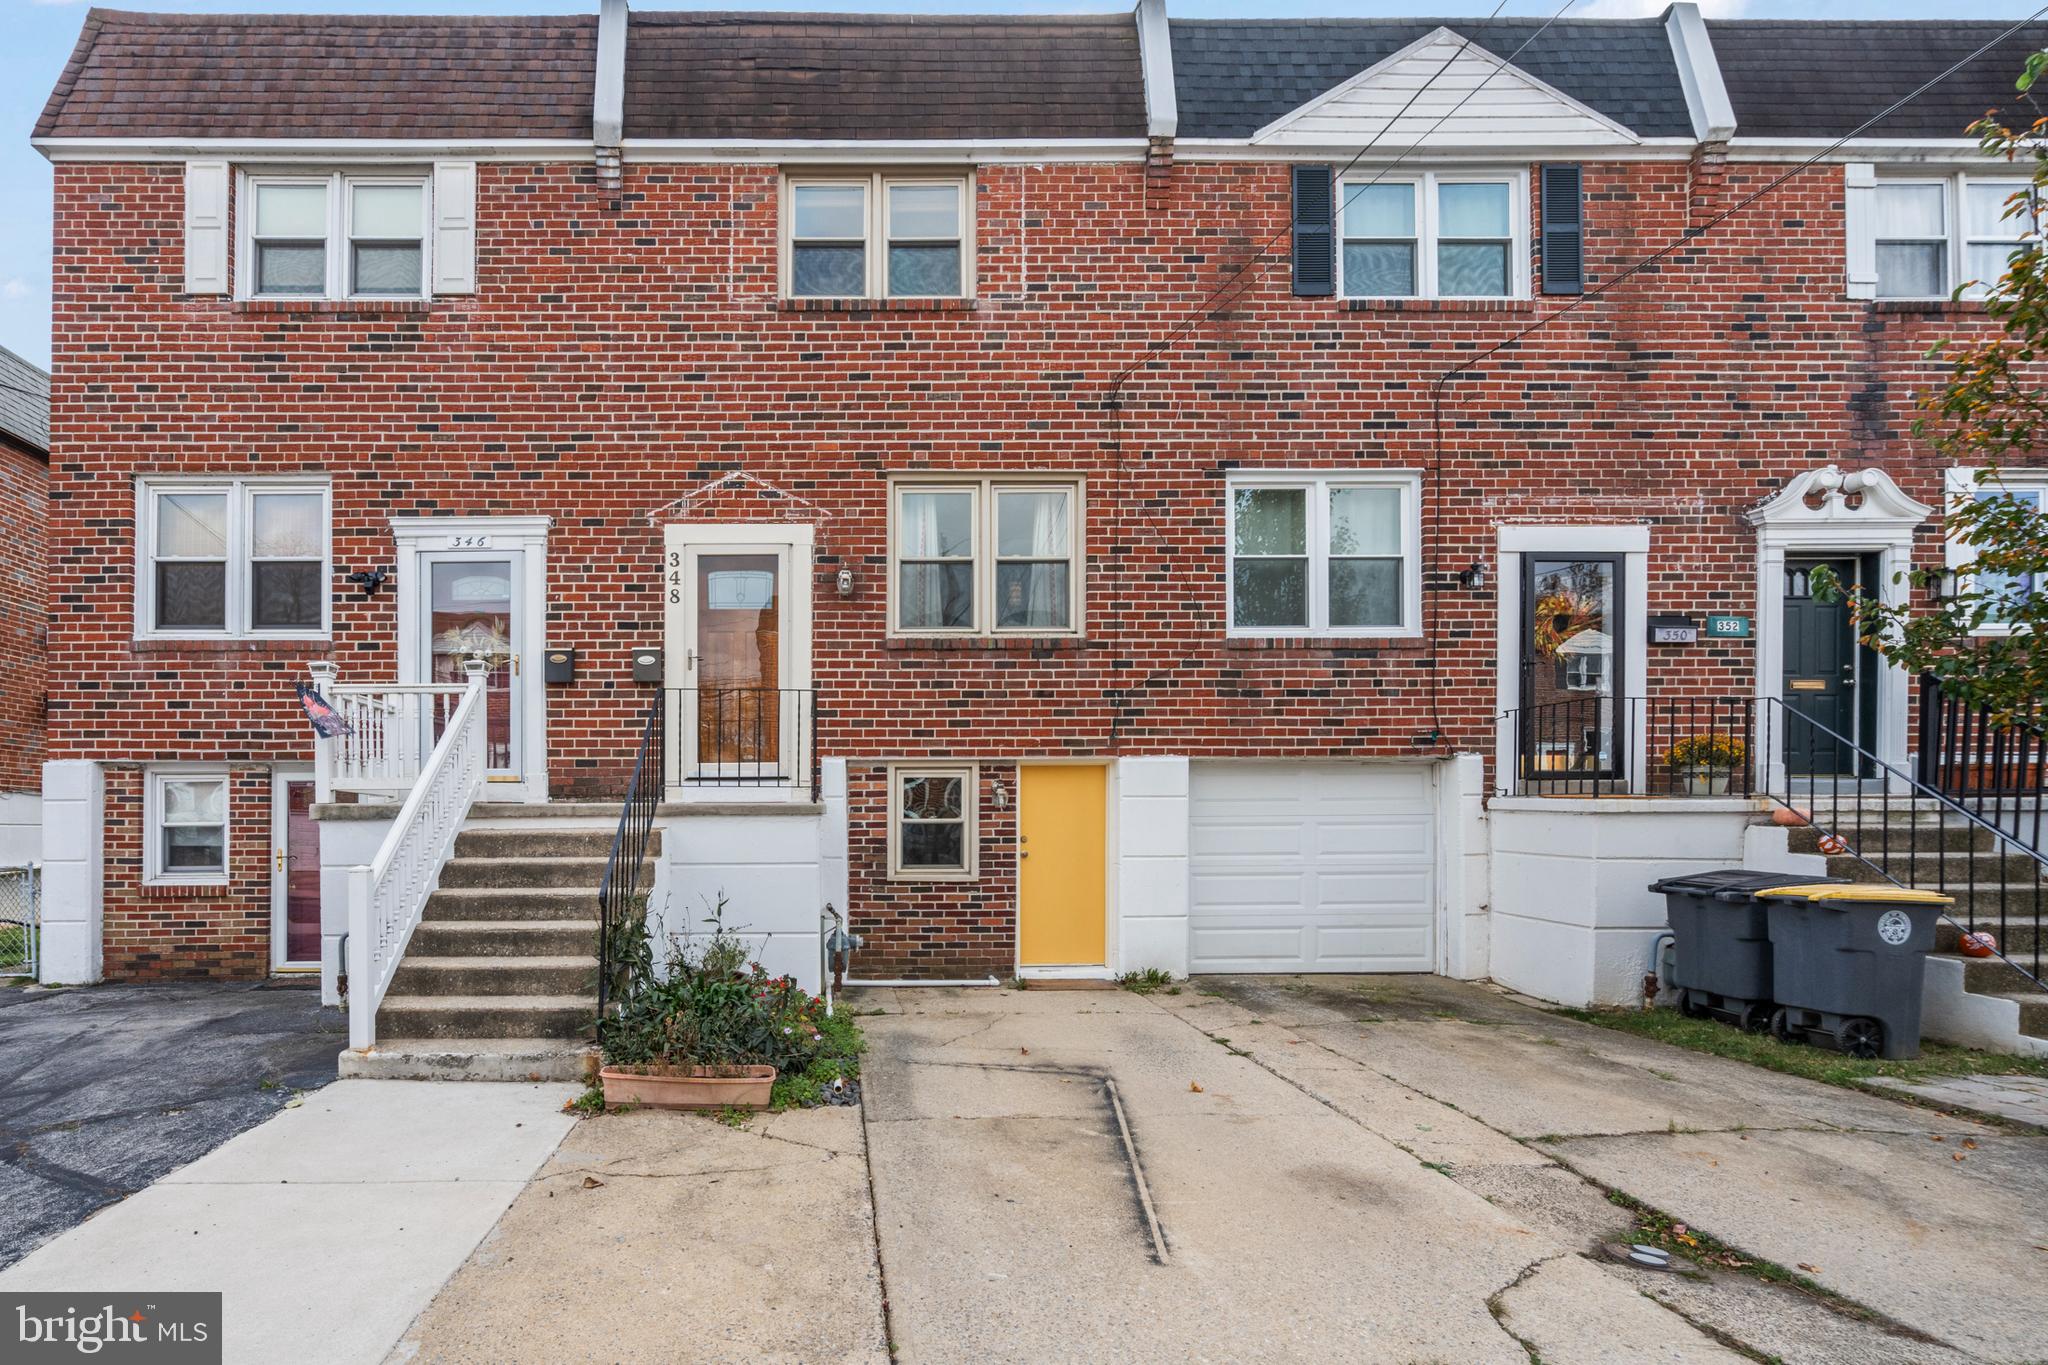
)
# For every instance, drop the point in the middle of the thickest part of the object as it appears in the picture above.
(769, 76)
(357, 76)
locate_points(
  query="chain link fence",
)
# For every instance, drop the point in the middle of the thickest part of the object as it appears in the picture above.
(20, 926)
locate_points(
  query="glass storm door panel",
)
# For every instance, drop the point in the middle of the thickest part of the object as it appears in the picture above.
(736, 661)
(300, 856)
(472, 611)
(1571, 651)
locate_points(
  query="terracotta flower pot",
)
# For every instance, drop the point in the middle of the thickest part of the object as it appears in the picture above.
(689, 1087)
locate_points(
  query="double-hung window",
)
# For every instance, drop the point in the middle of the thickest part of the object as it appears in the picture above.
(1935, 235)
(233, 557)
(335, 236)
(2028, 488)
(1324, 555)
(878, 236)
(985, 556)
(185, 823)
(1435, 235)
(932, 822)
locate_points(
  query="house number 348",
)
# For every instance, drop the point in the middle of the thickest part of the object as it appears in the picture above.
(675, 576)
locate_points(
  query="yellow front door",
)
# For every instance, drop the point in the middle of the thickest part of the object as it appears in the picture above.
(1061, 817)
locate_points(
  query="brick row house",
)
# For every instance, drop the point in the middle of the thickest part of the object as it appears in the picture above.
(1074, 494)
(24, 475)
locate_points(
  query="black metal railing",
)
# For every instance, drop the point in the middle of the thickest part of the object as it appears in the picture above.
(744, 737)
(621, 897)
(1906, 831)
(1613, 746)
(1998, 769)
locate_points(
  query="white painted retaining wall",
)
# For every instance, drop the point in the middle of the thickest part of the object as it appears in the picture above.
(74, 874)
(1573, 919)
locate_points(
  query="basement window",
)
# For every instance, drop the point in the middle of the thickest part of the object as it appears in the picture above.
(185, 822)
(931, 823)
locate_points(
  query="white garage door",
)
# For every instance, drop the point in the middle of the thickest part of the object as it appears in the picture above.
(1306, 867)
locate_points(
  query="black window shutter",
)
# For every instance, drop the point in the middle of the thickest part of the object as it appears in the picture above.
(1564, 255)
(1315, 262)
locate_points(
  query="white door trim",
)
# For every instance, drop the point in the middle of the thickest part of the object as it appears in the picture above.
(527, 537)
(281, 775)
(791, 540)
(1882, 523)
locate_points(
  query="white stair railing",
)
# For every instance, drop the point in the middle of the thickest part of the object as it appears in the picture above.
(387, 898)
(391, 728)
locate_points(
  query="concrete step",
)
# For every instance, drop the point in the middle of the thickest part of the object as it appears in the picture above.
(1994, 976)
(564, 1017)
(503, 938)
(2017, 936)
(2033, 1011)
(1925, 868)
(479, 976)
(512, 903)
(506, 873)
(540, 842)
(1903, 836)
(472, 1059)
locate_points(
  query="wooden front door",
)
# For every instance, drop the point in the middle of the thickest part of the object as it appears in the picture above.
(1820, 672)
(295, 875)
(1062, 816)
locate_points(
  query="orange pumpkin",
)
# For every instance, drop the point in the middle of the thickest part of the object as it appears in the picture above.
(1979, 944)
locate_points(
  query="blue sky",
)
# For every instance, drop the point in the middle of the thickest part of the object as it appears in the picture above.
(41, 34)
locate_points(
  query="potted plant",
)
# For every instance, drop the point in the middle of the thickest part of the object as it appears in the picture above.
(1707, 761)
(710, 1031)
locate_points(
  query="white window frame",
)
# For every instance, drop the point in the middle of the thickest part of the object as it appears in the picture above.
(1318, 485)
(969, 775)
(1963, 485)
(1426, 184)
(340, 284)
(1955, 240)
(153, 871)
(982, 489)
(875, 237)
(240, 495)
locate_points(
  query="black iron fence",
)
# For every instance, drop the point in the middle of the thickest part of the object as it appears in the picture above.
(1615, 746)
(743, 737)
(1996, 769)
(622, 896)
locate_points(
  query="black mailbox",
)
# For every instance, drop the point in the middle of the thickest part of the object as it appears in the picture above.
(646, 665)
(561, 666)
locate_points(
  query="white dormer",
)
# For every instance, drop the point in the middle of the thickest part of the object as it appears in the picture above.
(1495, 104)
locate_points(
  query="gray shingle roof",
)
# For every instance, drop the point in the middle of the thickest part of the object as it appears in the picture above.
(774, 76)
(1808, 79)
(24, 415)
(1234, 76)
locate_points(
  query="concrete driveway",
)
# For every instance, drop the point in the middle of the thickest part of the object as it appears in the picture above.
(1408, 1169)
(105, 1089)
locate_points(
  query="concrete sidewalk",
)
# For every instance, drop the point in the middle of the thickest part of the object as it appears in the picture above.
(330, 1226)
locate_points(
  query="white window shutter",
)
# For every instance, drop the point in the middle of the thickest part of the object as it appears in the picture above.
(206, 227)
(1859, 223)
(454, 227)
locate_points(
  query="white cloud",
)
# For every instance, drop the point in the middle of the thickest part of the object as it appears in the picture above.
(1644, 9)
(16, 288)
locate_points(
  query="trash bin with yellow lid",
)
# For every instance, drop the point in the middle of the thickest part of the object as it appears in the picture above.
(1847, 963)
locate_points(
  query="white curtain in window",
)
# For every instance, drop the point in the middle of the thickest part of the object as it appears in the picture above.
(924, 593)
(1046, 599)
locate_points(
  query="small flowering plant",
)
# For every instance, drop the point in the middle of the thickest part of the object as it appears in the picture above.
(1706, 751)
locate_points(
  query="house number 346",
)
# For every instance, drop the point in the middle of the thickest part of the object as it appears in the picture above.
(469, 542)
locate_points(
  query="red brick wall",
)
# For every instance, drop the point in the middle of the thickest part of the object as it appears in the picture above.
(609, 364)
(934, 930)
(162, 933)
(24, 477)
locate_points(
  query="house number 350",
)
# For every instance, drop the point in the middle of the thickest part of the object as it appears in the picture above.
(469, 542)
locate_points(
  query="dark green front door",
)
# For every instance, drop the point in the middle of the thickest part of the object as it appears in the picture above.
(1820, 672)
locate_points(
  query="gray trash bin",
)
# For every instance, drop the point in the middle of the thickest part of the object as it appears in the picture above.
(1722, 944)
(1847, 964)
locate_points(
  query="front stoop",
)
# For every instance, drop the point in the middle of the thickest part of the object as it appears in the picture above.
(499, 981)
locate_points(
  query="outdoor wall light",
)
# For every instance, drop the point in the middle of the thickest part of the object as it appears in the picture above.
(369, 580)
(845, 581)
(1473, 576)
